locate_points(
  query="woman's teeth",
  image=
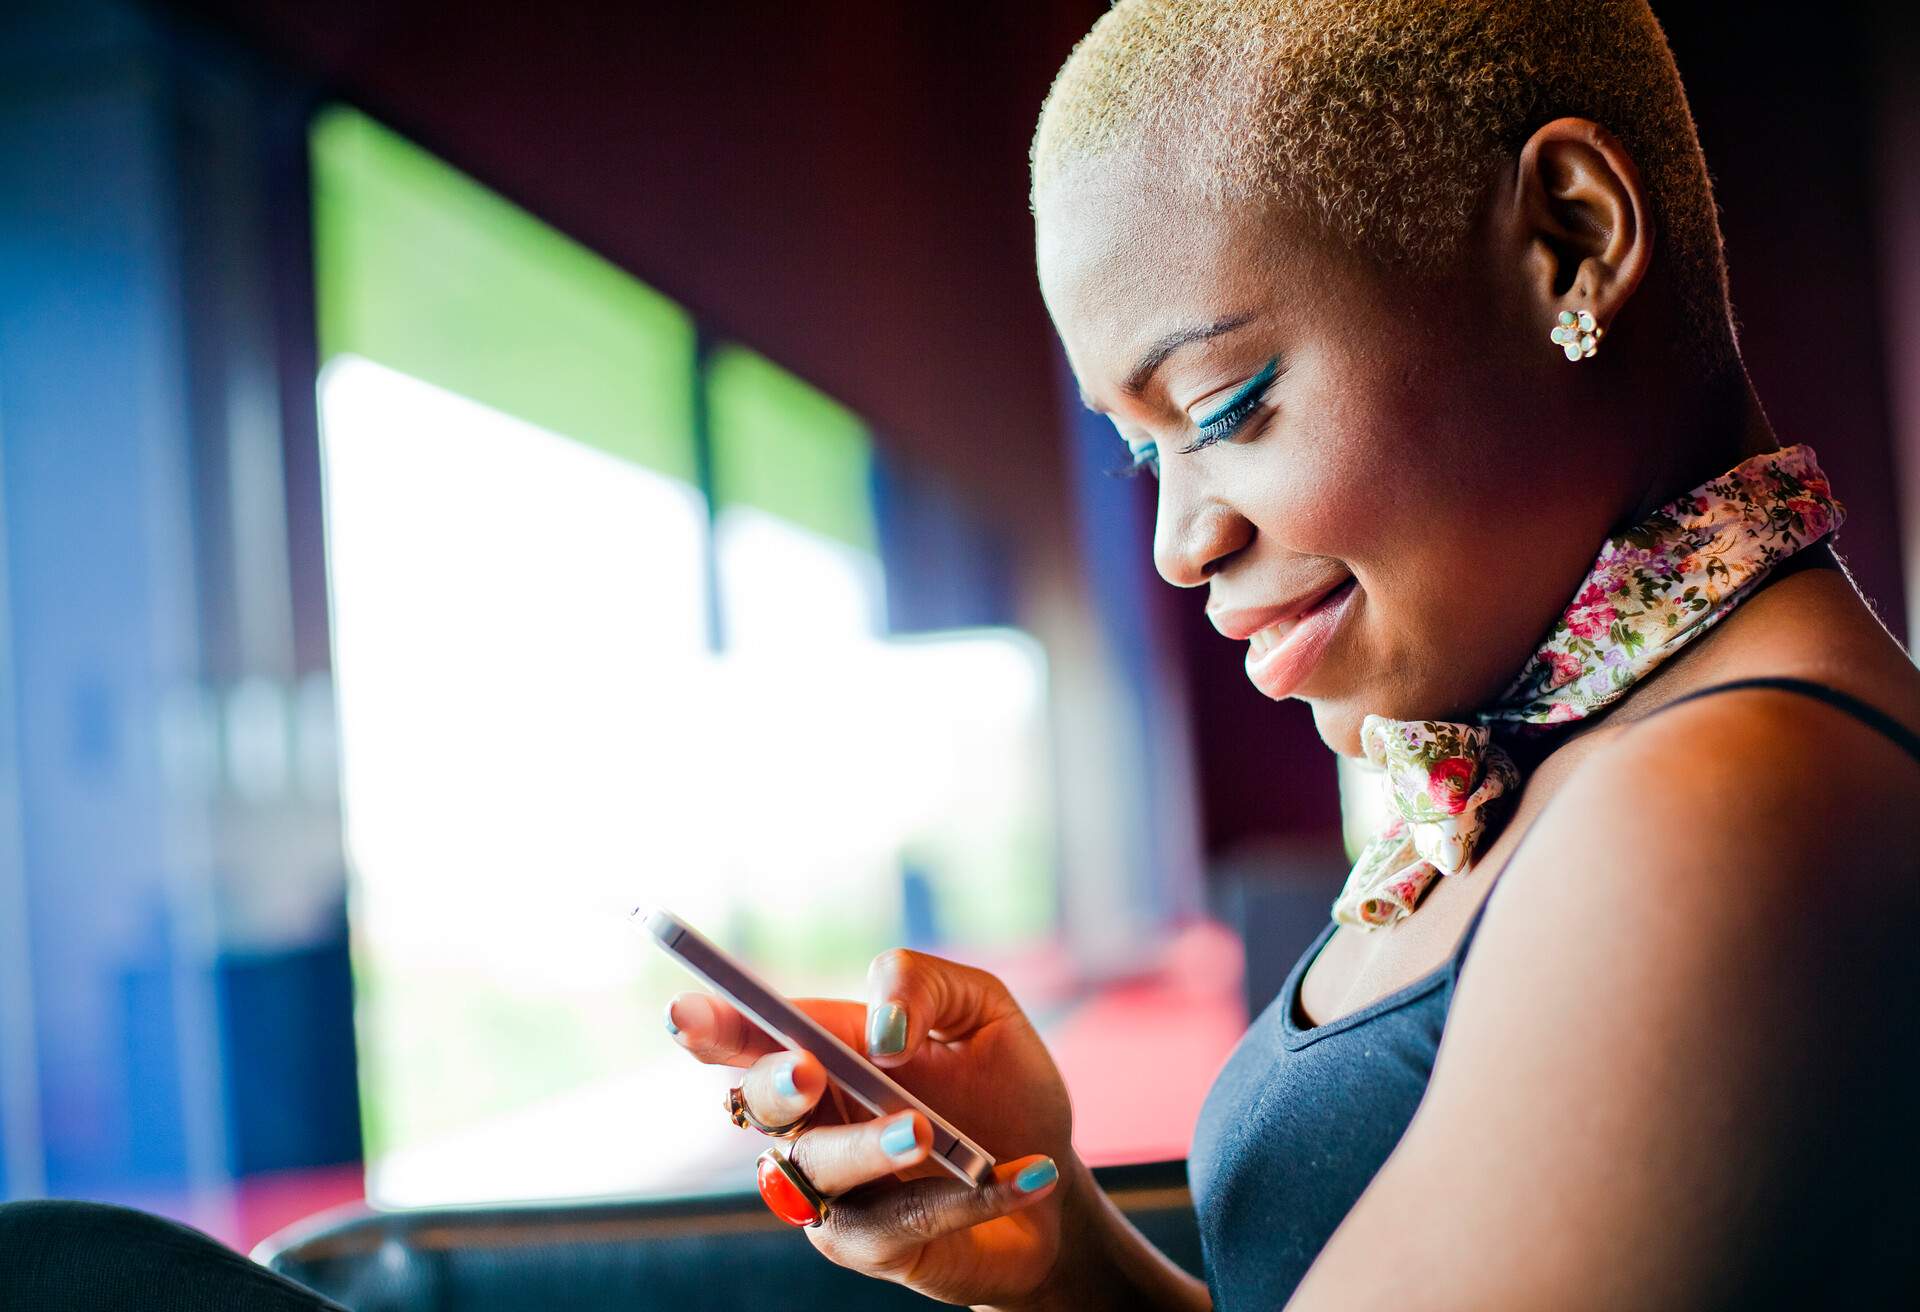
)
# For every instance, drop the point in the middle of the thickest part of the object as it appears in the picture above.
(1268, 638)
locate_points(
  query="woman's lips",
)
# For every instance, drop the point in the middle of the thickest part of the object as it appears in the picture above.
(1285, 654)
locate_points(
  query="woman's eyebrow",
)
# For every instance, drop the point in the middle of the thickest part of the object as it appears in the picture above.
(1156, 355)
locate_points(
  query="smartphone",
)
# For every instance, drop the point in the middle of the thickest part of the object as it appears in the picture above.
(792, 1028)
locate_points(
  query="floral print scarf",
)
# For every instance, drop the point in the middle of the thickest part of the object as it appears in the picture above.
(1652, 590)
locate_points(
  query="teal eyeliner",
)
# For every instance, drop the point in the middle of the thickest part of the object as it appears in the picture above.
(1251, 390)
(1221, 423)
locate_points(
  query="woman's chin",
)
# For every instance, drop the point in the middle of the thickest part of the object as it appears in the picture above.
(1338, 722)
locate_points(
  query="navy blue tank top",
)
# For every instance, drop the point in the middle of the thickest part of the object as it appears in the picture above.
(1302, 1117)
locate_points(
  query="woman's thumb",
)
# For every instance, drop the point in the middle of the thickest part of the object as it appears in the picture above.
(910, 993)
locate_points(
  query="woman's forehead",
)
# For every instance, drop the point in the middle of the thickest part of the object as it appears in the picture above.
(1125, 269)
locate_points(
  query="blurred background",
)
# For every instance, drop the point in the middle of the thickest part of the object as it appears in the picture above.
(467, 472)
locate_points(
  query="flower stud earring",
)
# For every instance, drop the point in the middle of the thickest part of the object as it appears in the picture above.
(1577, 334)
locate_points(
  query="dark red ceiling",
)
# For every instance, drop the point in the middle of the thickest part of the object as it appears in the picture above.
(841, 185)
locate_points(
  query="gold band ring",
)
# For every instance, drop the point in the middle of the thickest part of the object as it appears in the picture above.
(740, 1115)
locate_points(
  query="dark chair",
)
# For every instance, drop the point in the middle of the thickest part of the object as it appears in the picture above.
(684, 1254)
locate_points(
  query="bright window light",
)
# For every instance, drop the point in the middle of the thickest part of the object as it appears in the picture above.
(535, 739)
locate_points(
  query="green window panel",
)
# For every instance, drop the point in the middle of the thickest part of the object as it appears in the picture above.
(420, 268)
(783, 447)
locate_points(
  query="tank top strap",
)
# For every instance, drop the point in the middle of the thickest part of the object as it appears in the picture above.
(1473, 925)
(1871, 716)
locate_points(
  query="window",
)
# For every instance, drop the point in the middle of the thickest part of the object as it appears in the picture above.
(610, 630)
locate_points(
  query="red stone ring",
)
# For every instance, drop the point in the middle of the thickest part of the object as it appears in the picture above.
(789, 1194)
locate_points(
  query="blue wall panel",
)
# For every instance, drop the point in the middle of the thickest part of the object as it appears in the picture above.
(101, 627)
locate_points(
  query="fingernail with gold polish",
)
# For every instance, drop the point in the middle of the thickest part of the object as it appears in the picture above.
(887, 1030)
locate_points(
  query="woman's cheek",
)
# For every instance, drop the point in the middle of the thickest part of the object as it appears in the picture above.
(1332, 497)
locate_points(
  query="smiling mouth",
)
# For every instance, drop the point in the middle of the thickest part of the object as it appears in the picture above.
(1284, 655)
(1265, 640)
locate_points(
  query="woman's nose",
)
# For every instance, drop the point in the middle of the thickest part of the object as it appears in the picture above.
(1190, 542)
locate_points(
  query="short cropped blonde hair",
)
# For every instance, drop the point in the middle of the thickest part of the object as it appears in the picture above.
(1383, 120)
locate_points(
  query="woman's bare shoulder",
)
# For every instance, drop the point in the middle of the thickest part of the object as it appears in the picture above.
(1764, 808)
(1761, 774)
(1709, 898)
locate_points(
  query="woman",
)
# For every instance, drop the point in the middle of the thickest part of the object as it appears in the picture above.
(1417, 311)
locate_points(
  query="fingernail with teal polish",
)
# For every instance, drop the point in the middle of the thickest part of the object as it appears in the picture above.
(887, 1030)
(1036, 1177)
(783, 1079)
(671, 1027)
(898, 1139)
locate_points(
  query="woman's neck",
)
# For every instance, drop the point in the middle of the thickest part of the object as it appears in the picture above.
(1707, 431)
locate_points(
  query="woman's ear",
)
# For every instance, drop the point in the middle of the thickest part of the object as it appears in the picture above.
(1581, 220)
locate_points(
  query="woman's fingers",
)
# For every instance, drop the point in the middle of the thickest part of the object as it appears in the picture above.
(715, 1032)
(879, 1229)
(781, 1088)
(910, 994)
(836, 1158)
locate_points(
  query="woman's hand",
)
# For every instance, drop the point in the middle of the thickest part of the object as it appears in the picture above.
(955, 1037)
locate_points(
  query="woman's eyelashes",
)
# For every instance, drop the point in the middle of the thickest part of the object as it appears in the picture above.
(1223, 421)
(1235, 410)
(1145, 458)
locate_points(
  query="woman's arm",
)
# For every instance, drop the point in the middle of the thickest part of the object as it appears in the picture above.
(1644, 1038)
(1105, 1262)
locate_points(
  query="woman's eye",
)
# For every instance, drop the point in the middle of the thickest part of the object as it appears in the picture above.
(1238, 409)
(1223, 425)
